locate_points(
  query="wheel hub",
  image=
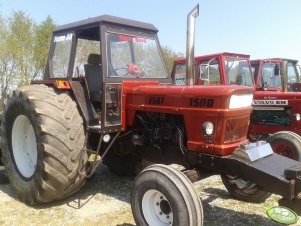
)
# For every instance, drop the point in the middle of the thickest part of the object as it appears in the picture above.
(156, 208)
(24, 146)
(165, 207)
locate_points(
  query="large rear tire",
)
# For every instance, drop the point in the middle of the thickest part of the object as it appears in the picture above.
(163, 196)
(244, 190)
(123, 165)
(42, 144)
(286, 143)
(122, 160)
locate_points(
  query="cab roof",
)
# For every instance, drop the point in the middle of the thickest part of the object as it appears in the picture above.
(107, 19)
(225, 54)
(275, 60)
(214, 55)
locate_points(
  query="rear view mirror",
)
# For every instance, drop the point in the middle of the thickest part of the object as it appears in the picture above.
(277, 70)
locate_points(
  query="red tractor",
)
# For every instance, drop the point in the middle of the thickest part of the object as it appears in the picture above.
(277, 105)
(276, 111)
(216, 69)
(106, 97)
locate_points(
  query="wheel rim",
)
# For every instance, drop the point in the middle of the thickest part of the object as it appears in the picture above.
(24, 146)
(156, 209)
(284, 149)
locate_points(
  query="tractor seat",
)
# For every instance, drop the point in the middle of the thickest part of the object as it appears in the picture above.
(93, 74)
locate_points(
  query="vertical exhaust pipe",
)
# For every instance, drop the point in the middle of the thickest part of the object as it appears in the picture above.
(190, 45)
(284, 77)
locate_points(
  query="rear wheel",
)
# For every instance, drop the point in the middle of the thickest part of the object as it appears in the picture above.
(244, 190)
(123, 165)
(163, 196)
(42, 144)
(286, 143)
(121, 159)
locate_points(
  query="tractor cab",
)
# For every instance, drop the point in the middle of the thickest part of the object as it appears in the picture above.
(216, 69)
(93, 57)
(276, 74)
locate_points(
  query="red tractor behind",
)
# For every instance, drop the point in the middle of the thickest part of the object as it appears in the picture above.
(276, 105)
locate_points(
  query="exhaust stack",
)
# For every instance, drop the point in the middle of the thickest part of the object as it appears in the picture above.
(190, 45)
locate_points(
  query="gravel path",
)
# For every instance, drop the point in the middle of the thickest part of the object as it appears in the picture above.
(104, 201)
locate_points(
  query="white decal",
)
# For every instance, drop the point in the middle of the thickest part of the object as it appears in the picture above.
(180, 80)
(62, 38)
(270, 102)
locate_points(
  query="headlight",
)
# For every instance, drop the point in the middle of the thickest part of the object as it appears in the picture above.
(240, 100)
(208, 128)
(106, 138)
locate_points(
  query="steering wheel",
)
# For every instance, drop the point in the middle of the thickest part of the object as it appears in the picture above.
(131, 69)
(135, 71)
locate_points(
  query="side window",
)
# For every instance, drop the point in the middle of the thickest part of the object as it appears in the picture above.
(291, 73)
(209, 72)
(180, 74)
(112, 105)
(59, 59)
(84, 48)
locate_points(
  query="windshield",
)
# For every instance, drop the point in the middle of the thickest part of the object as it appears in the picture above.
(238, 72)
(134, 57)
(270, 75)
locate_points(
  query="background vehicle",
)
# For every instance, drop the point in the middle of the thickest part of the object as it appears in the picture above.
(276, 104)
(216, 69)
(121, 108)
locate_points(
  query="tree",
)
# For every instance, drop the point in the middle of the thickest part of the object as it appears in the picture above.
(20, 44)
(6, 64)
(169, 56)
(42, 41)
(23, 51)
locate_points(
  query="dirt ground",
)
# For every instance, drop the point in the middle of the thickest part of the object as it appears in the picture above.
(104, 201)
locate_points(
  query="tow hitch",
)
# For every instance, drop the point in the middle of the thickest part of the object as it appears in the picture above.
(294, 174)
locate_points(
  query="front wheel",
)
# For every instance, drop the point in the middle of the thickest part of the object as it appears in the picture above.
(244, 190)
(163, 196)
(286, 143)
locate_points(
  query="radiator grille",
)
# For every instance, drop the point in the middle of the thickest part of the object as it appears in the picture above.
(236, 129)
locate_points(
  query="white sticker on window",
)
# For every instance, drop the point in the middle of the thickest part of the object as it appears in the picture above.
(62, 38)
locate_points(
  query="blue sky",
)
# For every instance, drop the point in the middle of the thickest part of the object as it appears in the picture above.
(262, 29)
